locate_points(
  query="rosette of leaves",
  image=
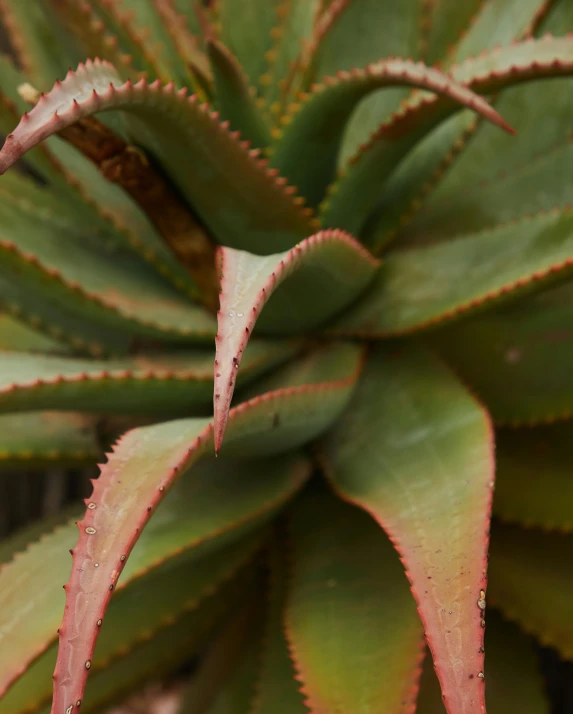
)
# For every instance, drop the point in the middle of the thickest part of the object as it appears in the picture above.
(340, 179)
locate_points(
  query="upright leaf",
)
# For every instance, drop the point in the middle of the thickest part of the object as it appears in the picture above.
(415, 450)
(351, 624)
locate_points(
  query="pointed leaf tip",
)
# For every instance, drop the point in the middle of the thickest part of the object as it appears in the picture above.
(248, 282)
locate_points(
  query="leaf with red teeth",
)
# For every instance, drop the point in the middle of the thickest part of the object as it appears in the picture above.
(415, 450)
(168, 383)
(421, 287)
(233, 191)
(155, 456)
(327, 272)
(351, 624)
(306, 153)
(360, 189)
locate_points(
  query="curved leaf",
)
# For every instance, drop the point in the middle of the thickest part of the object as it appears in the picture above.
(44, 439)
(531, 578)
(229, 186)
(518, 358)
(421, 288)
(534, 485)
(192, 521)
(307, 300)
(169, 383)
(513, 677)
(157, 455)
(416, 452)
(307, 150)
(352, 626)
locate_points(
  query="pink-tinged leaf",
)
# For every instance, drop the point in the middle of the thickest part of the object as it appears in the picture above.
(415, 450)
(329, 269)
(198, 152)
(142, 467)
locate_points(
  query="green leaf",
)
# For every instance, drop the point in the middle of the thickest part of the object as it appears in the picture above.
(306, 153)
(352, 626)
(15, 335)
(517, 358)
(444, 24)
(415, 450)
(194, 520)
(236, 97)
(246, 30)
(157, 455)
(228, 185)
(41, 44)
(531, 577)
(325, 273)
(534, 485)
(513, 678)
(168, 383)
(421, 288)
(47, 439)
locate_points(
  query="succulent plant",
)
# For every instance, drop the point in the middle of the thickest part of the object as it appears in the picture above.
(340, 178)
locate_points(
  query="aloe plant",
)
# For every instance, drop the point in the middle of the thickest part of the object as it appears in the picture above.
(380, 192)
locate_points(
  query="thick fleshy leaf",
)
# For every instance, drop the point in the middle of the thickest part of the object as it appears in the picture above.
(326, 272)
(415, 450)
(275, 422)
(306, 153)
(235, 97)
(15, 335)
(420, 288)
(276, 687)
(352, 625)
(534, 485)
(47, 439)
(518, 358)
(193, 520)
(531, 579)
(171, 384)
(145, 609)
(513, 678)
(233, 192)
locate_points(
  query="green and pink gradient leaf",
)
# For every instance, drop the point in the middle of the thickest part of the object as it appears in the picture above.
(421, 288)
(326, 272)
(415, 450)
(517, 358)
(155, 456)
(276, 688)
(307, 151)
(352, 627)
(233, 191)
(162, 383)
(357, 193)
(47, 439)
(534, 485)
(513, 676)
(531, 576)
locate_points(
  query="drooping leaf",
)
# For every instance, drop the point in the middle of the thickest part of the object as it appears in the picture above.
(513, 679)
(352, 626)
(326, 272)
(534, 485)
(169, 383)
(194, 520)
(517, 358)
(306, 152)
(415, 450)
(275, 422)
(531, 576)
(228, 185)
(422, 288)
(47, 439)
